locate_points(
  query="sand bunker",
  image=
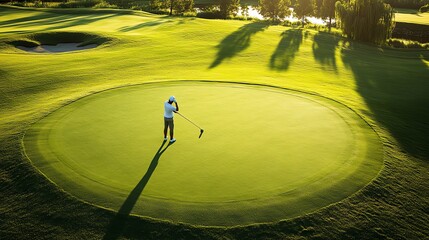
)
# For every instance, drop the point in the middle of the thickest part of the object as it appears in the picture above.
(60, 47)
(57, 42)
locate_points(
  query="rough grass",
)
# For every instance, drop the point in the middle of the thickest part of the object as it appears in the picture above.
(387, 88)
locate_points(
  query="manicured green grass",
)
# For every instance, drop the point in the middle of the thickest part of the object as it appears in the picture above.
(387, 88)
(276, 158)
(411, 16)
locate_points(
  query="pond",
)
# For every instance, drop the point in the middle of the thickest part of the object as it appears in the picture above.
(253, 12)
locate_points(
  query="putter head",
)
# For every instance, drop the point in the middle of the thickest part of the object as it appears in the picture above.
(201, 133)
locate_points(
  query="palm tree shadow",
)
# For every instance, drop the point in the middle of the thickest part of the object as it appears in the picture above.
(117, 224)
(237, 41)
(286, 49)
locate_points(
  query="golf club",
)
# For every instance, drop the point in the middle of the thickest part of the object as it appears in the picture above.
(201, 130)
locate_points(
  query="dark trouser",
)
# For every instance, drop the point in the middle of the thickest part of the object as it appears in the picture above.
(168, 123)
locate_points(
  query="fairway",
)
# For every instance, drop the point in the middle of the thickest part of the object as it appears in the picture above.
(411, 16)
(258, 161)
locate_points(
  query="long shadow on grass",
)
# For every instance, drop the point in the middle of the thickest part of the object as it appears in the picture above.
(143, 25)
(80, 20)
(286, 49)
(397, 92)
(55, 20)
(117, 224)
(23, 21)
(324, 48)
(237, 41)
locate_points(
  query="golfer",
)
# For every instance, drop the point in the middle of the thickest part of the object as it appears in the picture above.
(168, 117)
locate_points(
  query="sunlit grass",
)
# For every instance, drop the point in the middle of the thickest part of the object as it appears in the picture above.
(411, 16)
(388, 88)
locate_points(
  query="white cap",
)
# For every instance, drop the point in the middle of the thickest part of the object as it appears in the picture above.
(172, 99)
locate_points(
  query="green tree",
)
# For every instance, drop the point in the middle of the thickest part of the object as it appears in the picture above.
(228, 7)
(327, 10)
(171, 5)
(179, 6)
(304, 8)
(155, 5)
(245, 10)
(318, 7)
(274, 9)
(366, 20)
(185, 6)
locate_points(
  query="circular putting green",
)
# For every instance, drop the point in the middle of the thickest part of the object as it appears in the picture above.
(266, 154)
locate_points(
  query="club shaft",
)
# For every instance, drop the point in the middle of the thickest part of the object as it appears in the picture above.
(188, 120)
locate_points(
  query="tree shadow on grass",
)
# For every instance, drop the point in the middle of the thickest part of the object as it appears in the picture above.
(237, 41)
(55, 20)
(29, 20)
(185, 20)
(399, 99)
(143, 25)
(117, 224)
(80, 20)
(286, 49)
(324, 48)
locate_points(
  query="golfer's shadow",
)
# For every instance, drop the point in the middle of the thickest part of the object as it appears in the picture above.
(117, 224)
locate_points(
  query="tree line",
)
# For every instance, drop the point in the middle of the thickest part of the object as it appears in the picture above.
(176, 6)
(364, 20)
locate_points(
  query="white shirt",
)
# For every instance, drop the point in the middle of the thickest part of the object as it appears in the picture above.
(169, 108)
